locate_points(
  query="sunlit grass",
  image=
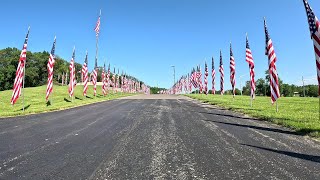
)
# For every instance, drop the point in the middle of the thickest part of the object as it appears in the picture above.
(298, 113)
(35, 101)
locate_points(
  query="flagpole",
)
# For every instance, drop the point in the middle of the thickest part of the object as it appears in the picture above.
(24, 77)
(97, 47)
(51, 97)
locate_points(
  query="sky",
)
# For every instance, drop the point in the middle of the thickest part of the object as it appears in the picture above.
(144, 38)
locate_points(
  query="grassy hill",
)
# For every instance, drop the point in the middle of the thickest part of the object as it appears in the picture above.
(35, 101)
(298, 113)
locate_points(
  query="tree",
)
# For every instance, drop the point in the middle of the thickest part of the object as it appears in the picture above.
(246, 90)
(260, 86)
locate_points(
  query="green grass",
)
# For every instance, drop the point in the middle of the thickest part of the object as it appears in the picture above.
(35, 101)
(300, 114)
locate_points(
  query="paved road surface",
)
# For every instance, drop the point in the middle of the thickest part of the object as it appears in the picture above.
(152, 137)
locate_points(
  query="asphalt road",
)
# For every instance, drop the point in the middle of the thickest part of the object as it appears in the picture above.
(152, 137)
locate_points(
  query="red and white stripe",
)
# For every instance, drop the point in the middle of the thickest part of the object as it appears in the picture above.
(108, 77)
(104, 85)
(17, 86)
(232, 72)
(189, 83)
(94, 81)
(213, 74)
(50, 71)
(72, 75)
(314, 26)
(84, 72)
(206, 73)
(274, 83)
(118, 81)
(97, 27)
(122, 79)
(250, 61)
(113, 81)
(221, 70)
(200, 80)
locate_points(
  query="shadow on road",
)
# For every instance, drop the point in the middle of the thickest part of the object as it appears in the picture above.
(288, 153)
(300, 132)
(228, 115)
(257, 127)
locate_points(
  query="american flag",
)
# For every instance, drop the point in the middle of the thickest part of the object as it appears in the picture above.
(114, 78)
(189, 83)
(206, 73)
(103, 76)
(274, 84)
(72, 74)
(314, 26)
(20, 72)
(213, 74)
(50, 70)
(118, 80)
(232, 72)
(194, 80)
(186, 85)
(97, 28)
(108, 76)
(249, 59)
(199, 77)
(85, 75)
(221, 75)
(122, 83)
(94, 80)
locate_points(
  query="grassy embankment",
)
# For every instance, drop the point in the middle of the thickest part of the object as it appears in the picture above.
(35, 101)
(298, 113)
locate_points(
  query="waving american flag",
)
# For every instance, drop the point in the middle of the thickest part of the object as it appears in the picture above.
(314, 26)
(221, 70)
(274, 83)
(232, 72)
(85, 75)
(17, 86)
(213, 74)
(72, 81)
(249, 59)
(50, 70)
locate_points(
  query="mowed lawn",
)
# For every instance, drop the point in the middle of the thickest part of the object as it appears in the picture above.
(35, 101)
(298, 113)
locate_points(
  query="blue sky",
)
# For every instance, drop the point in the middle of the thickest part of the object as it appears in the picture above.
(145, 37)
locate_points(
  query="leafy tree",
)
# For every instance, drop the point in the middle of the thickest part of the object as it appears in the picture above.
(261, 86)
(246, 90)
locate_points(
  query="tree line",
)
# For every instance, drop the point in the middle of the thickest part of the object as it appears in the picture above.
(263, 89)
(36, 73)
(286, 90)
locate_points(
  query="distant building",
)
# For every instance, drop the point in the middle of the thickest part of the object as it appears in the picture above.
(296, 94)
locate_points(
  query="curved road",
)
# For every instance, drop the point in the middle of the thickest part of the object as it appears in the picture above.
(152, 137)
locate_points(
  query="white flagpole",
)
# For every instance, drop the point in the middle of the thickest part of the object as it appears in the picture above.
(24, 77)
(97, 47)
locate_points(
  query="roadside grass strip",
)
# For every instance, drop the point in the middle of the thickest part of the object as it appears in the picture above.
(298, 113)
